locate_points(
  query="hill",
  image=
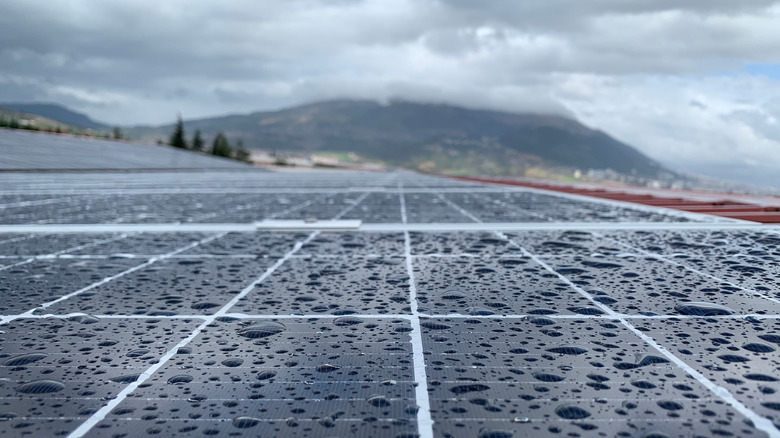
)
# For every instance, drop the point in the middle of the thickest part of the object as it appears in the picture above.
(430, 137)
(26, 119)
(57, 113)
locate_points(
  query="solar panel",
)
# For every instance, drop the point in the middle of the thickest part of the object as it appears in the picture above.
(453, 309)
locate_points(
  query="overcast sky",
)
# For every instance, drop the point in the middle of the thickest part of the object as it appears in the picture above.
(694, 84)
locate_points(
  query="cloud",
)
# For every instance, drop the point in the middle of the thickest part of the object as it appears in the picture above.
(667, 76)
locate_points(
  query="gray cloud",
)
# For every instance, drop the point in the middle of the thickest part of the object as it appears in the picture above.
(664, 75)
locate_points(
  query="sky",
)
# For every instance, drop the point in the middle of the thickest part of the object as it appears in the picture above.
(693, 84)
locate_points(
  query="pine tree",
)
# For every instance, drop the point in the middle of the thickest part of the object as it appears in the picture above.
(177, 138)
(241, 153)
(197, 142)
(221, 146)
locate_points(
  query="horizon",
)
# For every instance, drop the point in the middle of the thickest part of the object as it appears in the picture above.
(693, 85)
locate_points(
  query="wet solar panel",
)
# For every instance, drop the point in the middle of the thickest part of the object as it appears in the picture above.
(533, 314)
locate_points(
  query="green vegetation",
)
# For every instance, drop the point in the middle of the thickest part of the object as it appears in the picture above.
(13, 123)
(177, 137)
(220, 146)
(197, 142)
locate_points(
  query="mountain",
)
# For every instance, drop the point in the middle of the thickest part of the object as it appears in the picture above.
(26, 119)
(428, 136)
(57, 113)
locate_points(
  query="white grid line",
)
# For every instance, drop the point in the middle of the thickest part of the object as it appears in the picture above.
(110, 278)
(65, 251)
(415, 314)
(424, 419)
(759, 421)
(101, 413)
(691, 269)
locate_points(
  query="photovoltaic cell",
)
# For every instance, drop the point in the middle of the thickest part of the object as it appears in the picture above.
(600, 329)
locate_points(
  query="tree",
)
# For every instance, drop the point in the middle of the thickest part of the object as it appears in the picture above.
(241, 153)
(221, 146)
(177, 138)
(197, 142)
(117, 133)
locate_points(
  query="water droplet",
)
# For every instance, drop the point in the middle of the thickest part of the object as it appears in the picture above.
(571, 412)
(378, 401)
(462, 389)
(670, 405)
(326, 368)
(346, 321)
(540, 320)
(761, 377)
(758, 347)
(494, 433)
(775, 406)
(245, 422)
(643, 384)
(548, 377)
(40, 387)
(775, 339)
(129, 378)
(479, 311)
(181, 378)
(23, 359)
(568, 349)
(702, 309)
(433, 325)
(521, 420)
(232, 362)
(84, 319)
(203, 305)
(261, 330)
(265, 375)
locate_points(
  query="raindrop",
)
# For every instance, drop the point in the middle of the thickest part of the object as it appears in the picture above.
(84, 319)
(758, 347)
(262, 330)
(474, 387)
(479, 311)
(40, 387)
(245, 422)
(567, 349)
(181, 378)
(346, 321)
(495, 433)
(203, 305)
(378, 401)
(775, 339)
(702, 309)
(265, 375)
(433, 325)
(232, 362)
(23, 359)
(547, 377)
(129, 378)
(326, 368)
(670, 405)
(571, 412)
(761, 377)
(643, 384)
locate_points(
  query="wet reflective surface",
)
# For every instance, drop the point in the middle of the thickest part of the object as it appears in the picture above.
(578, 332)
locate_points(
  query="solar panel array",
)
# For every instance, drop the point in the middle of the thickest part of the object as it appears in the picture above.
(455, 310)
(24, 150)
